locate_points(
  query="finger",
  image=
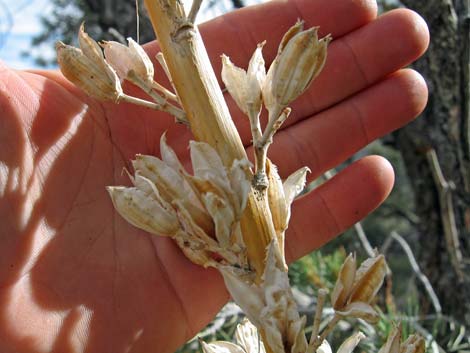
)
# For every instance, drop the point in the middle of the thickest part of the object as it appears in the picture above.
(338, 204)
(330, 137)
(245, 28)
(364, 57)
(355, 61)
(237, 33)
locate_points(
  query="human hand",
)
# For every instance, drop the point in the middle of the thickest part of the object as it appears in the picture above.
(75, 277)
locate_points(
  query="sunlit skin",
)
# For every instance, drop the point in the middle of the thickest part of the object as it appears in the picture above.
(75, 277)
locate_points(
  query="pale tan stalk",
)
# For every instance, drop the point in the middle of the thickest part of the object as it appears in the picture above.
(331, 325)
(161, 101)
(207, 112)
(322, 293)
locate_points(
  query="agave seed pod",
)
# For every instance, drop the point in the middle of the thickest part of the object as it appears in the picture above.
(351, 342)
(245, 86)
(143, 211)
(324, 347)
(247, 337)
(291, 32)
(413, 344)
(126, 59)
(392, 345)
(201, 211)
(220, 347)
(277, 202)
(88, 45)
(300, 59)
(95, 79)
(281, 195)
(344, 283)
(359, 310)
(369, 279)
(87, 69)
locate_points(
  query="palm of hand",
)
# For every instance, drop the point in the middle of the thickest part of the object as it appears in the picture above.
(74, 276)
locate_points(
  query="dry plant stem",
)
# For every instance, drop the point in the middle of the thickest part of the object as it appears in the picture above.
(179, 114)
(322, 293)
(165, 92)
(260, 164)
(196, 5)
(363, 238)
(137, 20)
(421, 276)
(331, 325)
(444, 190)
(162, 62)
(274, 123)
(200, 95)
(261, 146)
(152, 105)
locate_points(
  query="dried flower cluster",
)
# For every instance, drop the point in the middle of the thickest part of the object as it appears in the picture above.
(300, 58)
(394, 344)
(203, 211)
(100, 75)
(248, 341)
(356, 288)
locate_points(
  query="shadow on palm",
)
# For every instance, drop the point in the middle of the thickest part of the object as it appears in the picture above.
(77, 268)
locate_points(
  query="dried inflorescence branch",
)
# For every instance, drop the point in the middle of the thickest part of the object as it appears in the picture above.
(100, 77)
(300, 58)
(394, 344)
(354, 291)
(201, 212)
(225, 215)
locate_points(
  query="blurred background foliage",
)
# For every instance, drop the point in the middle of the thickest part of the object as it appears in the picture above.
(404, 297)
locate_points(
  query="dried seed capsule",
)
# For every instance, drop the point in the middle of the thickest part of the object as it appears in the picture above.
(143, 211)
(86, 68)
(245, 86)
(344, 283)
(300, 59)
(127, 59)
(281, 195)
(393, 341)
(324, 347)
(247, 337)
(248, 296)
(97, 79)
(413, 344)
(221, 347)
(277, 200)
(351, 342)
(295, 184)
(359, 310)
(88, 45)
(291, 32)
(369, 279)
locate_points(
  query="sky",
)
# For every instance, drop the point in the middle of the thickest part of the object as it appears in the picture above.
(19, 22)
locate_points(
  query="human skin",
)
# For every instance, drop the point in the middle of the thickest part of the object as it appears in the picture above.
(75, 277)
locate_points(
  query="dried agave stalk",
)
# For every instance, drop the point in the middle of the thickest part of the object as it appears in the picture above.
(225, 215)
